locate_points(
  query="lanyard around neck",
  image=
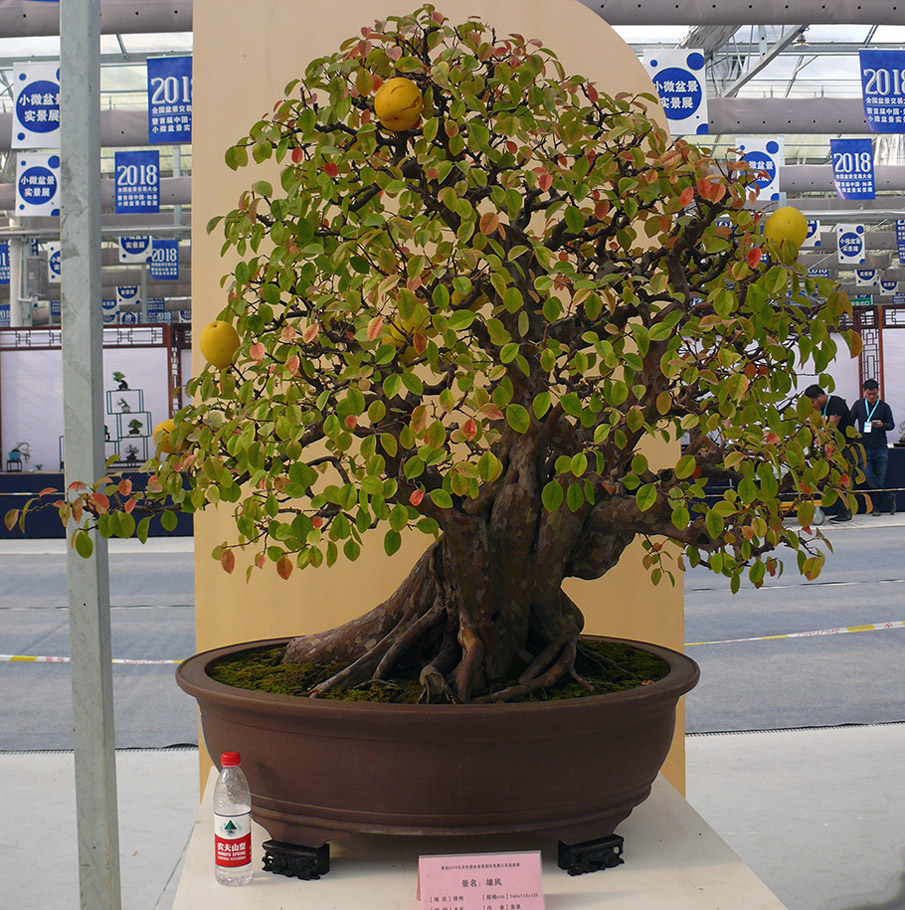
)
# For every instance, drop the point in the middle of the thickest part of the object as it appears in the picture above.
(870, 413)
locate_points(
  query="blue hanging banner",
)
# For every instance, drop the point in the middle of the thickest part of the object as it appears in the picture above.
(165, 260)
(679, 77)
(36, 106)
(169, 99)
(4, 262)
(850, 240)
(900, 239)
(137, 182)
(853, 168)
(156, 305)
(883, 89)
(819, 273)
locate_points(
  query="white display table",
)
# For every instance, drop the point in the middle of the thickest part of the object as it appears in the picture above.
(672, 859)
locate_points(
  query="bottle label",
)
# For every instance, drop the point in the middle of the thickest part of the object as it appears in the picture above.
(232, 840)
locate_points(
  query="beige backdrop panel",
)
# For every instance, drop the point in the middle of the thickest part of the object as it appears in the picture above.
(245, 52)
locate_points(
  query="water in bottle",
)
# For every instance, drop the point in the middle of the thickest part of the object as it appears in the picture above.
(232, 823)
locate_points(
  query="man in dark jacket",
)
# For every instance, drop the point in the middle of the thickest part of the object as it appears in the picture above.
(837, 414)
(873, 417)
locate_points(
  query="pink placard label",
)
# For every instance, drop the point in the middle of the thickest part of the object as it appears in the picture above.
(481, 881)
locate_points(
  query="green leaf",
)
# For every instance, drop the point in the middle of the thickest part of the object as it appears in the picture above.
(685, 467)
(518, 418)
(541, 404)
(575, 497)
(646, 496)
(392, 541)
(714, 523)
(552, 496)
(441, 499)
(169, 520)
(84, 545)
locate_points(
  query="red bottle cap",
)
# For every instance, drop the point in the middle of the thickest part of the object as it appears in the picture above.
(229, 759)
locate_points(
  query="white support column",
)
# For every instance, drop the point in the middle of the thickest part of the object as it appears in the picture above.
(83, 428)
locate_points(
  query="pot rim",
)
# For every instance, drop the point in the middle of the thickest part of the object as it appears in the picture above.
(192, 677)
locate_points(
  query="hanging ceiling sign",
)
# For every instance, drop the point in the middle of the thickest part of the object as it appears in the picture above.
(185, 315)
(156, 304)
(813, 236)
(819, 273)
(36, 106)
(110, 310)
(767, 156)
(900, 239)
(680, 80)
(862, 300)
(853, 168)
(4, 262)
(888, 288)
(169, 99)
(165, 260)
(883, 89)
(127, 295)
(865, 278)
(135, 249)
(137, 181)
(37, 184)
(129, 318)
(850, 240)
(54, 261)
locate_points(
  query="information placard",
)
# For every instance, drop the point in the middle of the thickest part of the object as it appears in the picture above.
(813, 237)
(137, 181)
(680, 79)
(4, 262)
(883, 89)
(487, 881)
(165, 260)
(169, 100)
(900, 239)
(54, 261)
(135, 249)
(36, 106)
(766, 156)
(853, 168)
(37, 184)
(850, 240)
(865, 278)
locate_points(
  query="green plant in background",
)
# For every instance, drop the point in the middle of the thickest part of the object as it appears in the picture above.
(472, 327)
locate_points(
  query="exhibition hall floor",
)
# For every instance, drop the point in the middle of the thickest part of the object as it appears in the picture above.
(811, 800)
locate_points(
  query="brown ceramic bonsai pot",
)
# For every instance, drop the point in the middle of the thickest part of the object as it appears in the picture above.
(320, 769)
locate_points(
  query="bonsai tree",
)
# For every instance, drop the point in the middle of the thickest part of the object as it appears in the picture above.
(466, 313)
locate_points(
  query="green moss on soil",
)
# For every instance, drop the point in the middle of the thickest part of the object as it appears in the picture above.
(263, 671)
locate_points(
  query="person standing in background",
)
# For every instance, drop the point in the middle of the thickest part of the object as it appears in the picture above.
(837, 414)
(873, 417)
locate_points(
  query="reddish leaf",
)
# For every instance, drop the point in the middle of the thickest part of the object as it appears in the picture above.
(771, 439)
(311, 332)
(375, 326)
(687, 196)
(102, 504)
(292, 365)
(491, 412)
(416, 497)
(298, 156)
(351, 422)
(470, 429)
(260, 560)
(330, 169)
(284, 567)
(129, 506)
(47, 491)
(419, 342)
(124, 488)
(601, 209)
(754, 256)
(228, 561)
(317, 521)
(288, 333)
(489, 223)
(592, 94)
(77, 486)
(545, 181)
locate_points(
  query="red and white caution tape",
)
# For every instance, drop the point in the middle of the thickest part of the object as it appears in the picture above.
(842, 630)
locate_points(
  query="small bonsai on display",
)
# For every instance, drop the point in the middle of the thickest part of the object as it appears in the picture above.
(135, 426)
(120, 378)
(478, 289)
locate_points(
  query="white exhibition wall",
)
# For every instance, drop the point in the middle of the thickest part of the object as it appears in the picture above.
(31, 395)
(893, 386)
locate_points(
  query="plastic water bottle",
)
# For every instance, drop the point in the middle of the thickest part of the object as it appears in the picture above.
(232, 824)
